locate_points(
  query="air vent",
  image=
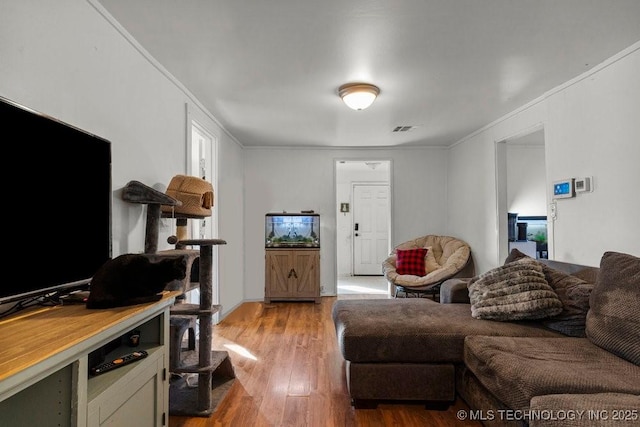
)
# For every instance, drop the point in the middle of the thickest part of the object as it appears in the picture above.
(404, 128)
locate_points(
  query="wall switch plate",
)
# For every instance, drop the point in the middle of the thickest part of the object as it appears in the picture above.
(553, 210)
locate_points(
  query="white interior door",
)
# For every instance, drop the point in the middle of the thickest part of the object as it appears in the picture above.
(370, 228)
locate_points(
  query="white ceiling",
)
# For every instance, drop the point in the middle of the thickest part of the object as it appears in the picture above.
(269, 70)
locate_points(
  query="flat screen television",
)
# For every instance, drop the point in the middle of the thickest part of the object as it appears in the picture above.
(57, 204)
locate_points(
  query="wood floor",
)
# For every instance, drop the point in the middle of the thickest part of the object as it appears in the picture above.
(289, 372)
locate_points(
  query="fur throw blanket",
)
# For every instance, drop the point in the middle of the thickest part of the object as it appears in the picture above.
(514, 291)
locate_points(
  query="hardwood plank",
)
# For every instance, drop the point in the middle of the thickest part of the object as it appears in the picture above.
(290, 372)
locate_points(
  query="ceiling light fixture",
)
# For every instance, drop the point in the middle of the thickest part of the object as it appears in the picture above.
(358, 96)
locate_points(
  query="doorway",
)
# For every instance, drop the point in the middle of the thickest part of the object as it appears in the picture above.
(202, 162)
(522, 193)
(363, 223)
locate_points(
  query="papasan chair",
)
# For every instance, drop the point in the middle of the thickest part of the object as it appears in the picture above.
(418, 267)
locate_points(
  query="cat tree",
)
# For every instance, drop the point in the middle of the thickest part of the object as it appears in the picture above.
(213, 368)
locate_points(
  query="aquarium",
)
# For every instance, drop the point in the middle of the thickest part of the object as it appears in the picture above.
(292, 230)
(537, 232)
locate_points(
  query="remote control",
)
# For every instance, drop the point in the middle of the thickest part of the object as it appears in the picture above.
(118, 362)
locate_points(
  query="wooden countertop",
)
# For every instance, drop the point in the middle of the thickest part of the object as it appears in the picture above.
(40, 334)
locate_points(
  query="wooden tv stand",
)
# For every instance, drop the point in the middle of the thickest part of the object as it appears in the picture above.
(44, 372)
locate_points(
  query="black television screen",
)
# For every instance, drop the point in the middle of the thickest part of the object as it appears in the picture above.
(57, 203)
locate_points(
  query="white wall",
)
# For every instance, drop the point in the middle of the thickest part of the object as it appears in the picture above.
(67, 60)
(591, 128)
(526, 180)
(296, 179)
(594, 130)
(230, 203)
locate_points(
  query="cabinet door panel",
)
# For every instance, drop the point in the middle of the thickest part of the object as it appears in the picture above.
(306, 267)
(47, 402)
(292, 274)
(280, 265)
(134, 403)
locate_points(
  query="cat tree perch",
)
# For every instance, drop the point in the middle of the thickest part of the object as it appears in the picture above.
(188, 197)
(137, 192)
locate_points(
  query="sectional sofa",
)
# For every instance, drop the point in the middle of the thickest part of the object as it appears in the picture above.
(559, 346)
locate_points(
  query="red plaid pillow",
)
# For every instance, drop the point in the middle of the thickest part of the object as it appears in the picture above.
(411, 261)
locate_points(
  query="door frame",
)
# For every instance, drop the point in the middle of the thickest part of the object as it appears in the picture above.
(193, 159)
(501, 193)
(336, 173)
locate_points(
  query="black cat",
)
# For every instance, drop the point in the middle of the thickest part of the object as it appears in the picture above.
(131, 279)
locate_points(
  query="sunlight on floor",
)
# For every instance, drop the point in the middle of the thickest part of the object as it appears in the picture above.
(241, 351)
(362, 285)
(356, 289)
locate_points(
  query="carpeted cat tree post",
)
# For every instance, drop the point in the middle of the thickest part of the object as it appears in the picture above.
(214, 369)
(189, 197)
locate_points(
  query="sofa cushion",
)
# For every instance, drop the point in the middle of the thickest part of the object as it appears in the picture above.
(411, 261)
(585, 410)
(515, 369)
(515, 255)
(414, 330)
(574, 294)
(430, 262)
(613, 321)
(454, 291)
(515, 291)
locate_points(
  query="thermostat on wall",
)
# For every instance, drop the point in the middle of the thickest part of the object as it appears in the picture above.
(563, 189)
(583, 184)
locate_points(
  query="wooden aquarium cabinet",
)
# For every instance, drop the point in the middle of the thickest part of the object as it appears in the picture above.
(292, 260)
(292, 274)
